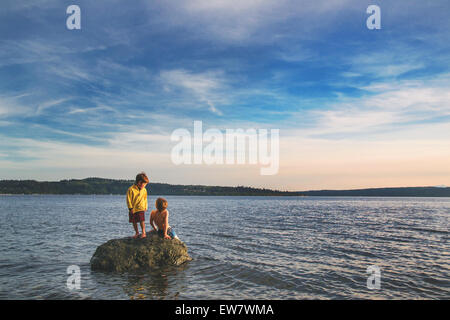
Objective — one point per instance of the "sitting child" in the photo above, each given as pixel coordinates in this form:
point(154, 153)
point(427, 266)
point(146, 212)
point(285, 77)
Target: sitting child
point(160, 217)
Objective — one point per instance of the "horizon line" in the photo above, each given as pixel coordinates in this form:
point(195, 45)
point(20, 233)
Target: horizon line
point(236, 186)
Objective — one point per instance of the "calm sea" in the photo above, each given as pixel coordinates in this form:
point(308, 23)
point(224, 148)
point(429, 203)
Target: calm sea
point(243, 248)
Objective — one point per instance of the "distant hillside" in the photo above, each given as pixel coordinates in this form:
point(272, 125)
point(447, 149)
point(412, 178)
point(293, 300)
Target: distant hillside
point(383, 192)
point(110, 186)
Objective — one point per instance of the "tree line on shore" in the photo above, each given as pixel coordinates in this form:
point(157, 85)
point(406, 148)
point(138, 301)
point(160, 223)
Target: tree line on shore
point(111, 186)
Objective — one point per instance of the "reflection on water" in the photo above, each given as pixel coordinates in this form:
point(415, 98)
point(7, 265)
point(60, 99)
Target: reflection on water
point(157, 284)
point(243, 248)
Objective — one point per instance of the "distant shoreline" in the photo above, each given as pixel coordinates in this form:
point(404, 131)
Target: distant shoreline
point(100, 186)
point(197, 195)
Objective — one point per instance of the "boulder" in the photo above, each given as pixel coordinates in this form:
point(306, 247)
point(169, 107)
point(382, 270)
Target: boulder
point(128, 254)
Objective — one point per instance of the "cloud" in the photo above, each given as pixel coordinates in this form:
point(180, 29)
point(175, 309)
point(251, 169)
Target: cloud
point(25, 51)
point(49, 104)
point(296, 53)
point(91, 110)
point(386, 63)
point(206, 87)
point(125, 153)
point(247, 21)
point(386, 107)
point(12, 106)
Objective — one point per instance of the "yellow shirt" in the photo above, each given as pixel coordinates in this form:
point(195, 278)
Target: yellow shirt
point(137, 198)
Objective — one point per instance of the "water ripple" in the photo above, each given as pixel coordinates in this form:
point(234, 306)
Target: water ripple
point(243, 247)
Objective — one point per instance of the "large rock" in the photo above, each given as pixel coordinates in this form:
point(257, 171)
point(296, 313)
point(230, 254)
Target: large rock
point(128, 254)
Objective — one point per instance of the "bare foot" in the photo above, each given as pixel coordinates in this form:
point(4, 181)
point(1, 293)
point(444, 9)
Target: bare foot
point(143, 235)
point(136, 236)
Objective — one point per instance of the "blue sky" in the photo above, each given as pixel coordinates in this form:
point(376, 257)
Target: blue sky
point(355, 107)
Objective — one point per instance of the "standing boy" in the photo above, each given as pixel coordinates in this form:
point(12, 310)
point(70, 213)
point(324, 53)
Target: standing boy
point(137, 203)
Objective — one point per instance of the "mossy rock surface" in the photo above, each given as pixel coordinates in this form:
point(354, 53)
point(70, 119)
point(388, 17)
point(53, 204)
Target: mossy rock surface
point(128, 254)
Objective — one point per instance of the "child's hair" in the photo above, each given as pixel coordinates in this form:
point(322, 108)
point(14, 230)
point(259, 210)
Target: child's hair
point(161, 204)
point(141, 177)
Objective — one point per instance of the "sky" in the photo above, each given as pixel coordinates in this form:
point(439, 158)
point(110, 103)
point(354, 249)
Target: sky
point(355, 107)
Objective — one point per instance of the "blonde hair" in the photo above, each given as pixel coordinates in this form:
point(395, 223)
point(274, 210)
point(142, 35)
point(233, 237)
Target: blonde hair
point(161, 204)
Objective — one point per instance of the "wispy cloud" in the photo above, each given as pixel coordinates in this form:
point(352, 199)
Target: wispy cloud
point(386, 63)
point(387, 106)
point(206, 87)
point(49, 104)
point(12, 106)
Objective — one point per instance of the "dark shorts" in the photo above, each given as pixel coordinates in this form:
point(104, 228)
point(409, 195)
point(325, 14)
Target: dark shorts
point(136, 217)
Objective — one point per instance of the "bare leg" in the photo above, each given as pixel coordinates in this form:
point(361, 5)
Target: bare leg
point(135, 226)
point(143, 229)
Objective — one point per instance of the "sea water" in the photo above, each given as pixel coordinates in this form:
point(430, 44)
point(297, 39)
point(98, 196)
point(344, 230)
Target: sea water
point(242, 248)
